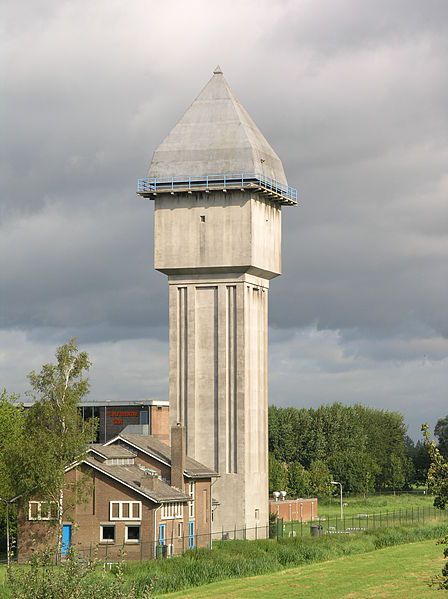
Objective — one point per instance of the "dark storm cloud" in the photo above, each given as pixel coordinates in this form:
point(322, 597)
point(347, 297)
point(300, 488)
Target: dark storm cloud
point(353, 97)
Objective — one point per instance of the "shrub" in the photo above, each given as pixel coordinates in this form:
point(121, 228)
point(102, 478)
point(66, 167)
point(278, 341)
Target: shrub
point(74, 578)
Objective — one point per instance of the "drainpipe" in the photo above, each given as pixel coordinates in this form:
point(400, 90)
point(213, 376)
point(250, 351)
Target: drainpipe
point(155, 528)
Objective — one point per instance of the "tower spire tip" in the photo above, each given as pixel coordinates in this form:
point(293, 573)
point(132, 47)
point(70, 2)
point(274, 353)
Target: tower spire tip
point(217, 70)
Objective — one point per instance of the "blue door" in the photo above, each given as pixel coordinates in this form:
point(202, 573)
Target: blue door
point(162, 530)
point(191, 534)
point(66, 538)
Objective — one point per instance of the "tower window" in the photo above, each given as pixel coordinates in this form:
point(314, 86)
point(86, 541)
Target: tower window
point(202, 218)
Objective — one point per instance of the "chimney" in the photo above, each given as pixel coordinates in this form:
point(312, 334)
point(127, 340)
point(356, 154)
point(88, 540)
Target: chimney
point(178, 456)
point(151, 481)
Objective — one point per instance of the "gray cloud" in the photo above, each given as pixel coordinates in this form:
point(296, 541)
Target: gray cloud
point(353, 97)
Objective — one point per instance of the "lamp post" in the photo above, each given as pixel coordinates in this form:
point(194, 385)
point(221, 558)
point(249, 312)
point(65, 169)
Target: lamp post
point(7, 503)
point(335, 482)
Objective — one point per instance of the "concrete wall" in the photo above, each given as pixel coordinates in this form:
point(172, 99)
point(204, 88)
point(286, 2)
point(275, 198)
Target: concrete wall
point(218, 387)
point(228, 232)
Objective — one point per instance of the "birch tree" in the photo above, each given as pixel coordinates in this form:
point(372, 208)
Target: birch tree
point(56, 433)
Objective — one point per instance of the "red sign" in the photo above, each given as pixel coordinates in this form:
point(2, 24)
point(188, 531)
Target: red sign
point(121, 413)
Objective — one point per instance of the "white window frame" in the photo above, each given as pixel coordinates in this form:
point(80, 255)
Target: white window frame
point(39, 516)
point(172, 510)
point(132, 541)
point(180, 529)
point(109, 541)
point(191, 494)
point(120, 510)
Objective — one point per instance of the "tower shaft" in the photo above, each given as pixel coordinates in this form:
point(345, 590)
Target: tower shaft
point(218, 386)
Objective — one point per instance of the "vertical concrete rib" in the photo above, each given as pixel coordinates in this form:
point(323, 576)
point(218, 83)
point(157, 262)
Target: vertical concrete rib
point(182, 357)
point(231, 378)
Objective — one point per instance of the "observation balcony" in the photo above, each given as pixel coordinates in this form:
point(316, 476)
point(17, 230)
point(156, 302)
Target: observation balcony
point(149, 187)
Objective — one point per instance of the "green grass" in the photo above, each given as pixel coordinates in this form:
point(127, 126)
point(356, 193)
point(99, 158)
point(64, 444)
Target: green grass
point(396, 572)
point(375, 504)
point(239, 559)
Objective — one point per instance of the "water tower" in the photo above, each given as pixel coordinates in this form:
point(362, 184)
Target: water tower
point(218, 189)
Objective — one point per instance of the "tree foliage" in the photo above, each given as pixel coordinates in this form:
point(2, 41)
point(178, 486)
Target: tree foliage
point(438, 483)
point(363, 448)
point(37, 444)
point(441, 432)
point(74, 578)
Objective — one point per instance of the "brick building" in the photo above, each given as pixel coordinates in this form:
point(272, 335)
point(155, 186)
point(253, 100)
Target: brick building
point(302, 510)
point(134, 494)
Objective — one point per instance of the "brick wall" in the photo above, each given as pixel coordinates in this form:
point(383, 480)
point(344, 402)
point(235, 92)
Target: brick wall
point(303, 510)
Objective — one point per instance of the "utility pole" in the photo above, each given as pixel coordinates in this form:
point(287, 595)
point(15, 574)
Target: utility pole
point(335, 482)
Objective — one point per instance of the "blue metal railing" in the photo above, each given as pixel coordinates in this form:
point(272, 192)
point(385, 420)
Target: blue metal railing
point(150, 185)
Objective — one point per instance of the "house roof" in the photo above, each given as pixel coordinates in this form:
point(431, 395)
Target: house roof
point(111, 451)
point(160, 451)
point(137, 479)
point(216, 135)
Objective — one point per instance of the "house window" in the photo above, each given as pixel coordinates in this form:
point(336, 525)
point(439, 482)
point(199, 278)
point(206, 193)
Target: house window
point(132, 534)
point(180, 529)
point(107, 533)
point(172, 510)
point(125, 510)
point(42, 510)
point(191, 494)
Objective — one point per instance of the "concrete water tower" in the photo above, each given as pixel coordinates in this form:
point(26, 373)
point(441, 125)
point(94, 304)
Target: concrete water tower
point(218, 189)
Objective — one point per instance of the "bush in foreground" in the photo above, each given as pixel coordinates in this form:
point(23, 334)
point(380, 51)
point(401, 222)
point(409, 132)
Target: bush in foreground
point(72, 579)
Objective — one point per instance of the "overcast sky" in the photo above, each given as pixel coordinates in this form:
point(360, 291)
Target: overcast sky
point(353, 96)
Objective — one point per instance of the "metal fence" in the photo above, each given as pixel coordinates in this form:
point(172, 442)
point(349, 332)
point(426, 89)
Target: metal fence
point(154, 185)
point(359, 522)
point(334, 525)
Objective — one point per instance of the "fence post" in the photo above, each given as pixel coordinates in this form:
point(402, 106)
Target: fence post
point(256, 531)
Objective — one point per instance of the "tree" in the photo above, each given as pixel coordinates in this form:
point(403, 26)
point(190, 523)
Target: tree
point(11, 442)
point(278, 475)
point(11, 435)
point(438, 483)
point(421, 463)
point(355, 470)
point(298, 480)
point(441, 432)
point(319, 477)
point(56, 435)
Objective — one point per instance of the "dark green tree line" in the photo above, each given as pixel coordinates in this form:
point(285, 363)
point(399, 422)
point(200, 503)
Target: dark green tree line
point(363, 448)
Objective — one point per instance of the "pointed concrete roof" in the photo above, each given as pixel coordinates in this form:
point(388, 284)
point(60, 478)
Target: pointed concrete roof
point(215, 136)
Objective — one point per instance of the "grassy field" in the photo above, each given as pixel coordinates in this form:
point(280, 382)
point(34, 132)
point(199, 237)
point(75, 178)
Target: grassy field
point(360, 514)
point(375, 504)
point(396, 572)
